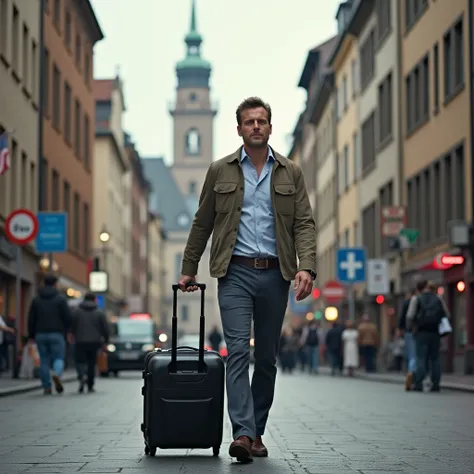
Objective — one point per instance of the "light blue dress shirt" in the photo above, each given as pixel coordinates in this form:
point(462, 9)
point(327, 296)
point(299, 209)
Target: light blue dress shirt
point(256, 236)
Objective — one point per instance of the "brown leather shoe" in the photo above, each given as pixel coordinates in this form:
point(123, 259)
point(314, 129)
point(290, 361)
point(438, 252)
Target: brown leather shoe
point(241, 448)
point(259, 450)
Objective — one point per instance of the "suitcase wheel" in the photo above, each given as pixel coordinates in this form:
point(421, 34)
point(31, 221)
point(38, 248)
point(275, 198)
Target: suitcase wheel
point(150, 451)
point(215, 451)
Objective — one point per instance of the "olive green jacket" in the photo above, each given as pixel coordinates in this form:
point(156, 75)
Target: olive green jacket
point(219, 211)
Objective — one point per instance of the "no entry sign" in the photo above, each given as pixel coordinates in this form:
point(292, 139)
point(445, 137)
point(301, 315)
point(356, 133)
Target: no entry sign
point(21, 226)
point(333, 292)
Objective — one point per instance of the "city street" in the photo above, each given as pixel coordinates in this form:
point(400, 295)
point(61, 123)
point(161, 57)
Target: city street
point(318, 424)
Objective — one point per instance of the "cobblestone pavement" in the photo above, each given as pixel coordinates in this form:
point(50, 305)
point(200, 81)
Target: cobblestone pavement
point(319, 424)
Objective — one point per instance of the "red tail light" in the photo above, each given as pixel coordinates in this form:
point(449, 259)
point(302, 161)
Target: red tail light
point(223, 352)
point(207, 348)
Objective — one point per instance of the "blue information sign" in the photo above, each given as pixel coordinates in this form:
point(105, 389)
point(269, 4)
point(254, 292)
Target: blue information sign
point(350, 265)
point(52, 234)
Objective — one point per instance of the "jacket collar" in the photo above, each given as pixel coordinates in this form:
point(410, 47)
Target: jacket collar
point(238, 153)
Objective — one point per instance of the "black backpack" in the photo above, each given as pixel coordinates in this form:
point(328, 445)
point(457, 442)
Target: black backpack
point(430, 312)
point(312, 339)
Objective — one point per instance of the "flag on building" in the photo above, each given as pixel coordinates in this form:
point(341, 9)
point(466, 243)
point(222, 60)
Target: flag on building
point(4, 154)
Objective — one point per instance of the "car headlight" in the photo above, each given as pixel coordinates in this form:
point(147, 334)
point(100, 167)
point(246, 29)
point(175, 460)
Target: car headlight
point(111, 348)
point(148, 347)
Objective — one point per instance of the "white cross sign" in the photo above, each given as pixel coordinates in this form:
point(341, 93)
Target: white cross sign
point(351, 265)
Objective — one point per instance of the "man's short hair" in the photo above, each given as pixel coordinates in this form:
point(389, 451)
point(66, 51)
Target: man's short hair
point(421, 285)
point(89, 296)
point(50, 279)
point(252, 103)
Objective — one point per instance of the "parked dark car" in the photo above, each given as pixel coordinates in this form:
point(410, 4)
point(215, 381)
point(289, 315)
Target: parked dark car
point(130, 340)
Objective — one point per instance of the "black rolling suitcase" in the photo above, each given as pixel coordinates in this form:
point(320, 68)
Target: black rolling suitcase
point(183, 393)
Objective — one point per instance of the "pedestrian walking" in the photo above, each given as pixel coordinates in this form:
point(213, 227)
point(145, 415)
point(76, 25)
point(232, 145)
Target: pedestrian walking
point(254, 203)
point(4, 329)
point(350, 337)
point(425, 312)
point(90, 331)
point(368, 342)
point(48, 322)
point(215, 338)
point(334, 347)
point(310, 341)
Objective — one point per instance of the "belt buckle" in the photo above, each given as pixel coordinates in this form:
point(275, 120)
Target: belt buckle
point(257, 266)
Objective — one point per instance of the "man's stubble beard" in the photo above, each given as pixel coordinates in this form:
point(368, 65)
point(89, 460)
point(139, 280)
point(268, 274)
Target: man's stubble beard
point(257, 145)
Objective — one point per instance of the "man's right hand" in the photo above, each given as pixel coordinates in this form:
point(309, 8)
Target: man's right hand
point(185, 280)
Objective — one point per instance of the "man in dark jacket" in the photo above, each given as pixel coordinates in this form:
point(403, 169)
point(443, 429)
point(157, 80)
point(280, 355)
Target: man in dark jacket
point(334, 347)
point(49, 320)
point(90, 331)
point(424, 314)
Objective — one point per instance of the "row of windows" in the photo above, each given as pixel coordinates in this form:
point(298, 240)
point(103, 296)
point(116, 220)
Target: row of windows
point(66, 112)
point(62, 18)
point(18, 49)
point(418, 83)
point(79, 213)
point(441, 184)
point(18, 186)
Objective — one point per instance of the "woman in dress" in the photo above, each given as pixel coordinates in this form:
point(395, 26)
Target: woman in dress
point(350, 338)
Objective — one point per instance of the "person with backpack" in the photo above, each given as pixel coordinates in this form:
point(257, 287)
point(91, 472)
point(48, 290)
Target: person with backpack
point(310, 343)
point(49, 320)
point(424, 314)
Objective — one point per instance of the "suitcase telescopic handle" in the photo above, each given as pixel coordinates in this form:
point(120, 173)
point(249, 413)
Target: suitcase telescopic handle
point(174, 328)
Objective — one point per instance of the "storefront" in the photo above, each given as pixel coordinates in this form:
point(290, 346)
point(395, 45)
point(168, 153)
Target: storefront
point(8, 272)
point(449, 274)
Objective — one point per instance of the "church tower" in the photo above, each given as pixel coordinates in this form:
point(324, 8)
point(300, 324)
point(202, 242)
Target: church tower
point(193, 117)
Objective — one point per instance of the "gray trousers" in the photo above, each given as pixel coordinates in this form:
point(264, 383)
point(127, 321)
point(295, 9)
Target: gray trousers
point(246, 293)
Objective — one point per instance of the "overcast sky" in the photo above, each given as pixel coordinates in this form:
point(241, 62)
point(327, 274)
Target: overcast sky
point(256, 48)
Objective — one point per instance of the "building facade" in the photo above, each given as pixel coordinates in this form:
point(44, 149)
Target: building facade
point(70, 32)
point(377, 141)
point(435, 97)
point(157, 290)
point(344, 63)
point(193, 119)
point(110, 191)
point(19, 101)
point(319, 113)
point(141, 251)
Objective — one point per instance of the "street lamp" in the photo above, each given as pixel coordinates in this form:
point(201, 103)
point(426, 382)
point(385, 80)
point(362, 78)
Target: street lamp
point(104, 236)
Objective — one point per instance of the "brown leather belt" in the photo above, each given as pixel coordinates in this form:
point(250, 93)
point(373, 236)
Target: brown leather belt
point(257, 263)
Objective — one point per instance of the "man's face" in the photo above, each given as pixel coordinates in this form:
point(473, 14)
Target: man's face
point(255, 129)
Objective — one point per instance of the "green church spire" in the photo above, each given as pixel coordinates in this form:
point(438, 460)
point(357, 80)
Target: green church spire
point(193, 70)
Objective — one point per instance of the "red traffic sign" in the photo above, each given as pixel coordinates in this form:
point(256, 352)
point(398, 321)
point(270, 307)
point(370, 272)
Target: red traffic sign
point(21, 226)
point(333, 292)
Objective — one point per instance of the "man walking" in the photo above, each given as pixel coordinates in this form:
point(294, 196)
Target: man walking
point(49, 320)
point(424, 314)
point(90, 331)
point(255, 205)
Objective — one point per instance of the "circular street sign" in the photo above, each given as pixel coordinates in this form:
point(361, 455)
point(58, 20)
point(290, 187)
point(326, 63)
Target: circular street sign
point(333, 292)
point(21, 226)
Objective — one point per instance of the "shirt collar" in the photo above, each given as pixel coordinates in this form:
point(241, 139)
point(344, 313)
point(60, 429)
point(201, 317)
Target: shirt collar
point(244, 155)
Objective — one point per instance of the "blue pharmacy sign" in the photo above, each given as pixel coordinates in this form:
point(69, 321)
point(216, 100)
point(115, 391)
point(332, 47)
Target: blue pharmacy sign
point(52, 234)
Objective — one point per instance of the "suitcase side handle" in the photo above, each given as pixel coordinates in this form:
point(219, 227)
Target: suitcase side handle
point(174, 329)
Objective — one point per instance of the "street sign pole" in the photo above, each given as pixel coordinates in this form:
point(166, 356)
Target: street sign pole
point(50, 262)
point(351, 302)
point(17, 339)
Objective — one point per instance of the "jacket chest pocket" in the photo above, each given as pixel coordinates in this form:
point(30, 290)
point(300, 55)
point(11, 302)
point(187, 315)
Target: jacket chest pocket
point(285, 198)
point(225, 196)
